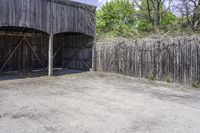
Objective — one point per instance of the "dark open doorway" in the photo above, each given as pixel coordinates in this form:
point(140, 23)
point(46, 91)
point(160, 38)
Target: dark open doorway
point(73, 51)
point(23, 49)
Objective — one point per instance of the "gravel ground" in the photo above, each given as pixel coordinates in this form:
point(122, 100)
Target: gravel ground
point(97, 103)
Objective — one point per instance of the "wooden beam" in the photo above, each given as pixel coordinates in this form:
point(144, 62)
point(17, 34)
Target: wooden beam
point(12, 53)
point(29, 45)
point(94, 53)
point(63, 54)
point(58, 49)
point(50, 66)
point(3, 33)
point(84, 63)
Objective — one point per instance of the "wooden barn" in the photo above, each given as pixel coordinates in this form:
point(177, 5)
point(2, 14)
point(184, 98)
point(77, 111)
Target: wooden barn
point(46, 34)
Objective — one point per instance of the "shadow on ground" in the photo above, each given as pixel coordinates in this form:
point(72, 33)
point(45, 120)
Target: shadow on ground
point(39, 73)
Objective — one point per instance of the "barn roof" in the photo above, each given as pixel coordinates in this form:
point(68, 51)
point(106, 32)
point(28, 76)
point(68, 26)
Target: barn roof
point(75, 3)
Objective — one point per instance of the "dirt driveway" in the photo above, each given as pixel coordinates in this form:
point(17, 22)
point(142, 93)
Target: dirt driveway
point(97, 103)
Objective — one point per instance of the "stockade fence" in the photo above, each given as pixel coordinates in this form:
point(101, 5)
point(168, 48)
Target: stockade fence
point(169, 59)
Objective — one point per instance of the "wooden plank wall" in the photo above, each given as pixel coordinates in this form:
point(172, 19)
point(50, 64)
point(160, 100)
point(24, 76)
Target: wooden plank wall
point(169, 59)
point(56, 17)
point(67, 18)
point(52, 17)
point(25, 13)
point(73, 45)
point(23, 58)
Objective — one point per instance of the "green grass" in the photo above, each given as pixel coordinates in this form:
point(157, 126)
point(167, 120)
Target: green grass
point(196, 85)
point(151, 77)
point(168, 79)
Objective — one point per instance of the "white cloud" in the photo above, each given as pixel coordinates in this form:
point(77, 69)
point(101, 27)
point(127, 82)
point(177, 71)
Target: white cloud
point(91, 2)
point(97, 3)
point(104, 1)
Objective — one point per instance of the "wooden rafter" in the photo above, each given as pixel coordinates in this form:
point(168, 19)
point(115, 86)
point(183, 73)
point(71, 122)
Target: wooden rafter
point(12, 53)
point(15, 49)
point(29, 45)
point(58, 49)
point(84, 63)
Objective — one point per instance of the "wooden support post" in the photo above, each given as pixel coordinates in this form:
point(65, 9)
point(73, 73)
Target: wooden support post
point(94, 56)
point(63, 54)
point(50, 68)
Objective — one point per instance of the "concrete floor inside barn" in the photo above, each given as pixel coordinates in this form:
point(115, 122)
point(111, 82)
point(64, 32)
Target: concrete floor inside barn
point(94, 102)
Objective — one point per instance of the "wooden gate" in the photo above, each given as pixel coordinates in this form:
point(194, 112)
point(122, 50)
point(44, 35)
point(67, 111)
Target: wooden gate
point(22, 55)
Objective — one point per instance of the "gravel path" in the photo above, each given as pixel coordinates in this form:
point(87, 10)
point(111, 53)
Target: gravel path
point(97, 103)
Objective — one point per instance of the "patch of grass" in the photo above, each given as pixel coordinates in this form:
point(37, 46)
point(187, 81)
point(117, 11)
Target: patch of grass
point(168, 79)
point(196, 85)
point(151, 77)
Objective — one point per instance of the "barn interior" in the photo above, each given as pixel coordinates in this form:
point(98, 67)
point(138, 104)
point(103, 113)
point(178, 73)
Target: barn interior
point(23, 49)
point(73, 51)
point(26, 50)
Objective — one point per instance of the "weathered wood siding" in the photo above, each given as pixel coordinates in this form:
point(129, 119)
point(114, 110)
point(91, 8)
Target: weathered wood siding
point(23, 59)
point(68, 18)
point(25, 13)
point(50, 16)
point(175, 59)
point(37, 17)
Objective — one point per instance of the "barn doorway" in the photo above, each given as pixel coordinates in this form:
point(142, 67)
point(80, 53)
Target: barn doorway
point(73, 51)
point(23, 49)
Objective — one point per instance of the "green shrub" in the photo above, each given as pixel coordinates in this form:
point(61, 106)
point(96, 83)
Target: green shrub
point(168, 79)
point(196, 85)
point(151, 77)
point(117, 16)
point(145, 26)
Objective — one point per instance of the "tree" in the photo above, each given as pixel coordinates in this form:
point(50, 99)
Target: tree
point(196, 14)
point(153, 10)
point(190, 10)
point(168, 20)
point(123, 17)
point(117, 16)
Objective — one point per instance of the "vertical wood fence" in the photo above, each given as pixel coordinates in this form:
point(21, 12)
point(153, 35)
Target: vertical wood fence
point(168, 59)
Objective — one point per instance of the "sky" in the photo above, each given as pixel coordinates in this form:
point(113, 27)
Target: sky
point(97, 3)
